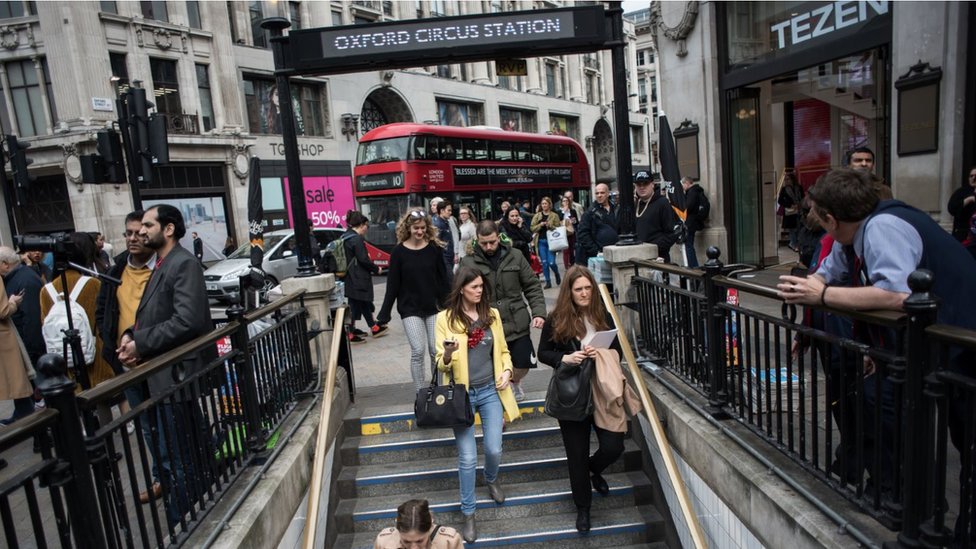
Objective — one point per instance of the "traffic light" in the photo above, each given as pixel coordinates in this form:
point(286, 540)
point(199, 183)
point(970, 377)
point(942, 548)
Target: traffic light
point(17, 152)
point(149, 135)
point(108, 165)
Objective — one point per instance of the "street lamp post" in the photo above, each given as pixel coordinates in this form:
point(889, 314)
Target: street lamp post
point(621, 119)
point(299, 212)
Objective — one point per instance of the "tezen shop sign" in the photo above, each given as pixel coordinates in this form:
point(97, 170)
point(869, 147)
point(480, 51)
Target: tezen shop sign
point(824, 20)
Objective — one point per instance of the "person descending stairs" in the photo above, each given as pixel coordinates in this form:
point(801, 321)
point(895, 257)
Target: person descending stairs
point(386, 460)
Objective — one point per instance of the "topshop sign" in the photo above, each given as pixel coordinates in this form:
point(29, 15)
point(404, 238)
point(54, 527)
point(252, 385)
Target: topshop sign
point(824, 20)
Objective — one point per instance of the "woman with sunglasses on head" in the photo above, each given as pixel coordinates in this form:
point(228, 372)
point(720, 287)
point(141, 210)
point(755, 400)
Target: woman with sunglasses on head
point(471, 347)
point(579, 312)
point(417, 280)
point(415, 529)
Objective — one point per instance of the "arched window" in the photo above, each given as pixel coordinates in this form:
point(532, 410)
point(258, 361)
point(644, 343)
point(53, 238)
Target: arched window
point(371, 117)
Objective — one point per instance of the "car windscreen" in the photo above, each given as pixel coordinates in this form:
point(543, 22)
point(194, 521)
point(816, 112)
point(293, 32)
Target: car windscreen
point(244, 252)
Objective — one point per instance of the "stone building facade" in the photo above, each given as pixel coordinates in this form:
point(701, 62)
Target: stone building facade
point(208, 67)
point(772, 87)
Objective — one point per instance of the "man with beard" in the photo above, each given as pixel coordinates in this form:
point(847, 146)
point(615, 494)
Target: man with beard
point(172, 310)
point(510, 277)
point(861, 159)
point(116, 306)
point(655, 219)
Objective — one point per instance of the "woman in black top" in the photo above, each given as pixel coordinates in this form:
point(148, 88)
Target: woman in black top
point(579, 312)
point(418, 282)
point(359, 276)
point(790, 196)
point(514, 227)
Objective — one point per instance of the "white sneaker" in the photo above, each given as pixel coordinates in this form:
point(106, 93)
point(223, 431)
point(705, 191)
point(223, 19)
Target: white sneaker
point(519, 393)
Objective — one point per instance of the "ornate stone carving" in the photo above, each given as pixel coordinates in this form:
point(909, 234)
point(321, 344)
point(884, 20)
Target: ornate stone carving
point(386, 78)
point(70, 164)
point(241, 163)
point(677, 33)
point(163, 39)
point(9, 37)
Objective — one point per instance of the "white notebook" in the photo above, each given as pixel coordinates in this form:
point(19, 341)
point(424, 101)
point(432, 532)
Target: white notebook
point(601, 340)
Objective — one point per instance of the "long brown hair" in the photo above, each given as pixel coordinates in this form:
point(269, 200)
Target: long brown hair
point(567, 318)
point(456, 319)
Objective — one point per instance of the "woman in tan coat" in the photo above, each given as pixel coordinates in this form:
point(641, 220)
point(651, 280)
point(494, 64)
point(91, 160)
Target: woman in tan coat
point(415, 529)
point(14, 383)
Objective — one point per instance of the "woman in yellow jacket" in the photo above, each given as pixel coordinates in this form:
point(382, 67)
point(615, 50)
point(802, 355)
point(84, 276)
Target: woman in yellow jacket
point(471, 345)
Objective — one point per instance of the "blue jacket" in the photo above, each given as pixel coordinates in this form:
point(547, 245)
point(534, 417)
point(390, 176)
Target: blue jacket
point(27, 319)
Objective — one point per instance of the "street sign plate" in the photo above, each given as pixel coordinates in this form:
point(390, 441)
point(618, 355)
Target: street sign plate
point(511, 67)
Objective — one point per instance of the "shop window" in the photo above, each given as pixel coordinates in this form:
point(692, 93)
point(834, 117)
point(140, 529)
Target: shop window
point(166, 86)
point(262, 105)
point(551, 79)
point(337, 19)
point(25, 96)
point(564, 125)
point(155, 9)
point(17, 8)
point(517, 120)
point(120, 71)
point(453, 113)
point(637, 140)
point(259, 36)
point(295, 14)
point(206, 98)
point(193, 14)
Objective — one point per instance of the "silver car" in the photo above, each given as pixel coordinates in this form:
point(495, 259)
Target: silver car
point(280, 262)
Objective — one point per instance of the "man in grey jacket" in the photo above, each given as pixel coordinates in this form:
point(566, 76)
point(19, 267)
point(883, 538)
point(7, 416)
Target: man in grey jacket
point(173, 310)
point(512, 283)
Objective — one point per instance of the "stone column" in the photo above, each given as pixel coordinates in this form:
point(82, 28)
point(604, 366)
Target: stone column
point(535, 82)
point(575, 78)
point(318, 290)
point(621, 259)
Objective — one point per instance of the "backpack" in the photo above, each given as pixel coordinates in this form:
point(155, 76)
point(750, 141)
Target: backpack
point(56, 323)
point(335, 256)
point(704, 207)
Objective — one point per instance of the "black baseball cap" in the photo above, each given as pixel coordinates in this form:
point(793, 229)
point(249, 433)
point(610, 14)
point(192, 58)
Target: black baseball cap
point(642, 176)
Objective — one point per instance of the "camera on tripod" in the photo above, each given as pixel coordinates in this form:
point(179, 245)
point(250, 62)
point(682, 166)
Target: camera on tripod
point(59, 244)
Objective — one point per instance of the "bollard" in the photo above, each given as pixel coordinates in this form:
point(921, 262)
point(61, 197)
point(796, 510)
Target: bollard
point(69, 444)
point(714, 294)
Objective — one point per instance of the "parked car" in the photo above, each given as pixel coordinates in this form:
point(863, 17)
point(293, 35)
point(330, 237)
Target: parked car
point(280, 262)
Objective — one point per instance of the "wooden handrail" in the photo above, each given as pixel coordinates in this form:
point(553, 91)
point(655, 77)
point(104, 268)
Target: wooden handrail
point(318, 465)
point(697, 536)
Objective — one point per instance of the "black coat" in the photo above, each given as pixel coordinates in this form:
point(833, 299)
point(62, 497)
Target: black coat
point(693, 202)
point(656, 225)
point(597, 229)
point(961, 215)
point(520, 236)
point(27, 319)
point(551, 352)
point(107, 315)
point(359, 268)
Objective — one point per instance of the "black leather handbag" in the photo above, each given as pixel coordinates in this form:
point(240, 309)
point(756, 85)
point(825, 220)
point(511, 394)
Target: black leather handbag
point(570, 396)
point(443, 405)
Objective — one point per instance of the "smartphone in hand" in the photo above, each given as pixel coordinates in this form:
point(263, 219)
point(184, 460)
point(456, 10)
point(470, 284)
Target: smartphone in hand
point(800, 272)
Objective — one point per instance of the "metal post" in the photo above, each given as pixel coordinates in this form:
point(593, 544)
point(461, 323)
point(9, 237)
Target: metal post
point(917, 435)
point(714, 334)
point(621, 122)
point(293, 167)
point(69, 443)
point(246, 382)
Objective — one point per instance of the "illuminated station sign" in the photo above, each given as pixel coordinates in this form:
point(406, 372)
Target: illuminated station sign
point(466, 38)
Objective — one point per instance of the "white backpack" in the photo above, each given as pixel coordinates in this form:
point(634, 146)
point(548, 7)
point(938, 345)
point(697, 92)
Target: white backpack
point(56, 322)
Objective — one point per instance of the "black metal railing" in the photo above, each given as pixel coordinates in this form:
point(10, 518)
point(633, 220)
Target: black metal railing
point(864, 401)
point(182, 123)
point(232, 390)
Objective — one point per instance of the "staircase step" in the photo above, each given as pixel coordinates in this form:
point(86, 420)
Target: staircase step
point(420, 477)
point(610, 528)
point(400, 418)
point(521, 500)
point(401, 446)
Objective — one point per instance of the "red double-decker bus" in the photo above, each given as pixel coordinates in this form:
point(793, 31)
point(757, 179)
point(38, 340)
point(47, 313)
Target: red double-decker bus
point(403, 165)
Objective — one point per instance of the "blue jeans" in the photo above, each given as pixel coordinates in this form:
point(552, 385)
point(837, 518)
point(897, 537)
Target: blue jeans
point(485, 401)
point(548, 259)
